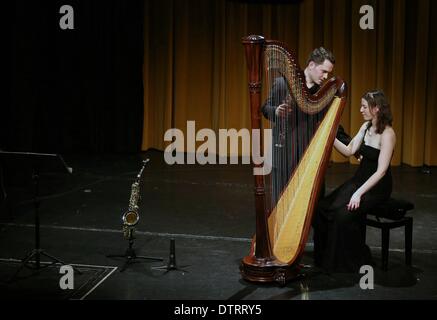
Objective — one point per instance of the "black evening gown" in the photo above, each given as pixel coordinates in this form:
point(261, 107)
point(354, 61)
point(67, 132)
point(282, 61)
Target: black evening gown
point(339, 234)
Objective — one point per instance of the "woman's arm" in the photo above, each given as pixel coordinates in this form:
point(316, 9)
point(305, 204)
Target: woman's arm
point(388, 141)
point(354, 145)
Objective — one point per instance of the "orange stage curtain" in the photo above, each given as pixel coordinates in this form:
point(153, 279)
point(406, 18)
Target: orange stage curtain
point(194, 67)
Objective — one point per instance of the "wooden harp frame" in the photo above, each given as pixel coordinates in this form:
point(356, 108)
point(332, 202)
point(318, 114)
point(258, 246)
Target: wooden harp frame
point(261, 265)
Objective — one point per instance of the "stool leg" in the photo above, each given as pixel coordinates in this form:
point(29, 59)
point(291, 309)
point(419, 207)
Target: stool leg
point(408, 241)
point(385, 245)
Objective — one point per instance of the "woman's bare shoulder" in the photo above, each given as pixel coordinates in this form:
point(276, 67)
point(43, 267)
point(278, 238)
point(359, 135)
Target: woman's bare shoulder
point(388, 134)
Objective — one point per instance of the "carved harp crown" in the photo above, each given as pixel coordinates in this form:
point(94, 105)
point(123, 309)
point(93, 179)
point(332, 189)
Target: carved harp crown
point(303, 137)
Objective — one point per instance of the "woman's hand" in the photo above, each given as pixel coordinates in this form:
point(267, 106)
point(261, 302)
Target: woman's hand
point(354, 202)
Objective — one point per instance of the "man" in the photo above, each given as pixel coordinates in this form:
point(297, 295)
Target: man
point(293, 128)
point(319, 64)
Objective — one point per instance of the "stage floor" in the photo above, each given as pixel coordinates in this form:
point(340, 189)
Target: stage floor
point(209, 212)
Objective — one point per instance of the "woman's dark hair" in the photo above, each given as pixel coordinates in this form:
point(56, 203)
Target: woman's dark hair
point(377, 98)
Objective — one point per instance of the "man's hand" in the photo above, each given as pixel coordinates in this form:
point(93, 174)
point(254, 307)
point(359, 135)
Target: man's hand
point(283, 109)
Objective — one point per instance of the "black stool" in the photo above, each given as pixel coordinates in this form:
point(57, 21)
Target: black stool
point(389, 215)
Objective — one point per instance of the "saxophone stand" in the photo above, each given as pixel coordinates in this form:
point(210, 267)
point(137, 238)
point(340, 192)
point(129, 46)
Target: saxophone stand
point(130, 254)
point(171, 265)
point(37, 162)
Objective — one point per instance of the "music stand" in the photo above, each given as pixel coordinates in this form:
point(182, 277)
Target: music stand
point(38, 163)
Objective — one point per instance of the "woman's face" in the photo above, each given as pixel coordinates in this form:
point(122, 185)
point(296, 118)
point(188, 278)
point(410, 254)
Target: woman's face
point(367, 112)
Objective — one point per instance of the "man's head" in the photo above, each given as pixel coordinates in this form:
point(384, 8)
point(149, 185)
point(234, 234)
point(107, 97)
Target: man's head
point(319, 64)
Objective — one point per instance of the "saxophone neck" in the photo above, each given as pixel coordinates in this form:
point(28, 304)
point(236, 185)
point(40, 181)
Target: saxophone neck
point(142, 169)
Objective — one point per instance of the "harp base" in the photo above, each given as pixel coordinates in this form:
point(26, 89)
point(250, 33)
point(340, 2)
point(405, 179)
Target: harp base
point(267, 270)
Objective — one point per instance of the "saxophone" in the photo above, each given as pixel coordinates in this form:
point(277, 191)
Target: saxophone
point(131, 216)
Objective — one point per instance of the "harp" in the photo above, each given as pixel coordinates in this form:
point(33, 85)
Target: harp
point(302, 143)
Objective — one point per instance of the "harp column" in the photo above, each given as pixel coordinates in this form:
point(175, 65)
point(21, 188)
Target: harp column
point(254, 48)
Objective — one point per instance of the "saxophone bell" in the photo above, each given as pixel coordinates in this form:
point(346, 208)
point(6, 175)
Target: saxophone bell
point(130, 218)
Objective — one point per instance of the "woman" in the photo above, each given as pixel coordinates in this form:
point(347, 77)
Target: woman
point(339, 222)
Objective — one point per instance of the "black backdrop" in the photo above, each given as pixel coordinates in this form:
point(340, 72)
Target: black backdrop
point(77, 90)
